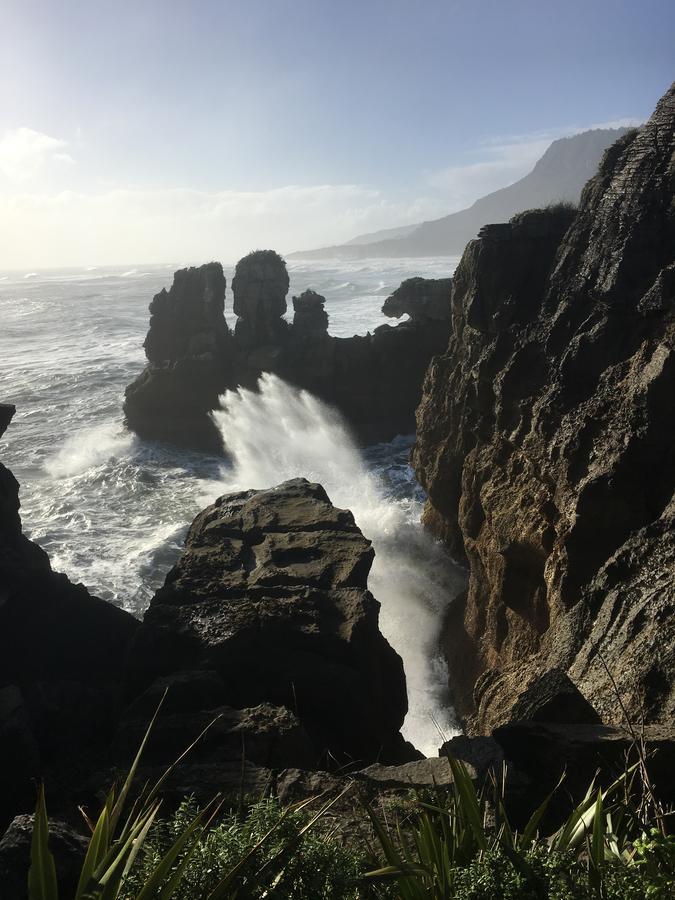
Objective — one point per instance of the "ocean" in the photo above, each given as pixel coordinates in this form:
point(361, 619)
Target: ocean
point(112, 510)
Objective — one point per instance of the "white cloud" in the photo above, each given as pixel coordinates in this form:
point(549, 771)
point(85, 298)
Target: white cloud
point(24, 153)
point(136, 226)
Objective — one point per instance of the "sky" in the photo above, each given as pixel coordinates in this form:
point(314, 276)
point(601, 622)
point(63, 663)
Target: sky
point(162, 131)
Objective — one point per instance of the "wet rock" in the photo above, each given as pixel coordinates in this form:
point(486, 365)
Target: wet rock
point(544, 445)
point(421, 299)
point(271, 594)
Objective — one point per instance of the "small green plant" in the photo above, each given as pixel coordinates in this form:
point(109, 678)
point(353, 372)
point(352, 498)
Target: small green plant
point(463, 846)
point(114, 869)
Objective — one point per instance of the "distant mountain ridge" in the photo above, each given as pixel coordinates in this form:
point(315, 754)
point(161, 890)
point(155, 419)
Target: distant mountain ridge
point(559, 175)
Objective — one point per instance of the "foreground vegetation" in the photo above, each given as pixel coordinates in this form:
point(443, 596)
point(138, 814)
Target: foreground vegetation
point(449, 844)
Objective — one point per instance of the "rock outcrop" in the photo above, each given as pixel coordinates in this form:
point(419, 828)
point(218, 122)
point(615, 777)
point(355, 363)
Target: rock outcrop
point(189, 361)
point(267, 614)
point(420, 298)
point(374, 380)
point(546, 444)
point(264, 639)
point(61, 657)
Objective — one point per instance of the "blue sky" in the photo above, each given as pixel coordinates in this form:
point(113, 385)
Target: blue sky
point(155, 131)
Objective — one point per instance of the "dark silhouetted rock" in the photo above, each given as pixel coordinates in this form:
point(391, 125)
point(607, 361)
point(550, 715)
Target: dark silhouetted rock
point(7, 411)
point(309, 315)
point(375, 381)
point(188, 347)
point(271, 595)
point(420, 298)
point(260, 285)
point(61, 657)
point(546, 445)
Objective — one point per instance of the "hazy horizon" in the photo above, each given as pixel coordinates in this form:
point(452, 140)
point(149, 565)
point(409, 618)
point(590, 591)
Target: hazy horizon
point(137, 134)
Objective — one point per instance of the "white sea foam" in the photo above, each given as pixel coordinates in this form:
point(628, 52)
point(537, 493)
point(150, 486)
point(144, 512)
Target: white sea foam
point(89, 448)
point(282, 433)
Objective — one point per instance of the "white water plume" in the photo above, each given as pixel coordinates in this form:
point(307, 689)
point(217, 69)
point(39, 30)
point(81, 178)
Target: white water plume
point(281, 433)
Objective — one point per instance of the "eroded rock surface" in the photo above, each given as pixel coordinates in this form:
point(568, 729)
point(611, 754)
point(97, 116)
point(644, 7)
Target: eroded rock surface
point(269, 602)
point(547, 448)
point(189, 361)
point(375, 380)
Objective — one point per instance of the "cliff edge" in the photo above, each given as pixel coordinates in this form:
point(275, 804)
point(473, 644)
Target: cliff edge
point(547, 447)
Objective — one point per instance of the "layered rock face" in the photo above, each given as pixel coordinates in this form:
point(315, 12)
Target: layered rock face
point(189, 361)
point(268, 610)
point(547, 447)
point(374, 380)
point(61, 658)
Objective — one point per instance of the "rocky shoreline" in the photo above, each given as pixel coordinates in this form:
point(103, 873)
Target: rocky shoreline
point(546, 445)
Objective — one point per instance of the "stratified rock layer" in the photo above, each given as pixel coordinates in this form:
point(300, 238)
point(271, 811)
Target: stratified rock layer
point(189, 361)
point(270, 597)
point(547, 447)
point(375, 380)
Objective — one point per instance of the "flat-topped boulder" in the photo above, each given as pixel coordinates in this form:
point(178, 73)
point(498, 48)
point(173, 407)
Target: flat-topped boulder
point(271, 596)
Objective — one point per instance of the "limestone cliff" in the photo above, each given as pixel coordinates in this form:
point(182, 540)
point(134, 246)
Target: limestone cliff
point(546, 444)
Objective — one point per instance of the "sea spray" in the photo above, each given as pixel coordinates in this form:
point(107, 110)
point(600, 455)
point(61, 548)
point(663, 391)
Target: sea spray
point(281, 432)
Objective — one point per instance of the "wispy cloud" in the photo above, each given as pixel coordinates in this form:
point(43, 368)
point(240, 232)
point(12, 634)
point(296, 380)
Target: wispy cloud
point(74, 228)
point(497, 164)
point(24, 153)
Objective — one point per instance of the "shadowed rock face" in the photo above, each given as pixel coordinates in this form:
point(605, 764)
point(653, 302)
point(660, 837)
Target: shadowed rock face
point(420, 298)
point(189, 361)
point(309, 315)
point(375, 380)
point(270, 596)
point(547, 447)
point(61, 658)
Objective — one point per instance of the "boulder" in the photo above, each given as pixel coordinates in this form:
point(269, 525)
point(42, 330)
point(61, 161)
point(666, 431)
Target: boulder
point(271, 595)
point(421, 299)
point(545, 447)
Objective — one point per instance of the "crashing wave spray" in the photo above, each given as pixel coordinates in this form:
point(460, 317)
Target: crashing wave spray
point(282, 433)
